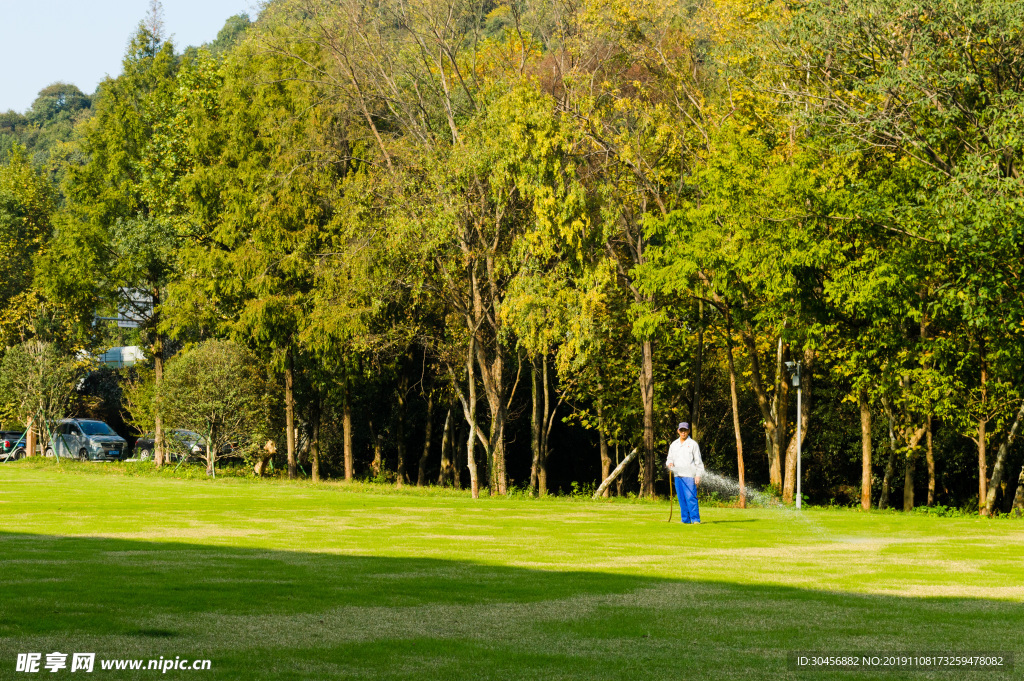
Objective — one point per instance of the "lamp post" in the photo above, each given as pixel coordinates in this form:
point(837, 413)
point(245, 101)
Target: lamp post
point(794, 374)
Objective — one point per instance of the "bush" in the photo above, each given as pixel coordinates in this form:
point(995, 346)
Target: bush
point(215, 390)
point(946, 511)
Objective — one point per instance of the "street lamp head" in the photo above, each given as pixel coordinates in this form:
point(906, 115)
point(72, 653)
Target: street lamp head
point(794, 372)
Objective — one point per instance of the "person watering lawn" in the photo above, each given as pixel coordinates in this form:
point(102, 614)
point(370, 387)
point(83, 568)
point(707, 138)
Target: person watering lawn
point(686, 467)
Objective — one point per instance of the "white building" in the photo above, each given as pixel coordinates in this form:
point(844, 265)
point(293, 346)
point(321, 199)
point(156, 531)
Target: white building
point(118, 358)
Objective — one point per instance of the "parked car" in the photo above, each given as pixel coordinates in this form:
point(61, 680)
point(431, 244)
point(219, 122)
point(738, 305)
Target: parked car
point(86, 440)
point(12, 445)
point(180, 443)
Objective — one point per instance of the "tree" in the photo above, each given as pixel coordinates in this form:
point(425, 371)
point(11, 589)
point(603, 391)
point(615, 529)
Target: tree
point(27, 203)
point(115, 251)
point(743, 243)
point(37, 383)
point(642, 111)
point(216, 390)
point(266, 261)
point(935, 96)
point(46, 129)
point(139, 401)
point(230, 34)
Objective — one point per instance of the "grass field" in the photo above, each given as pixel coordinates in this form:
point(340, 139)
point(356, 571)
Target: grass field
point(274, 580)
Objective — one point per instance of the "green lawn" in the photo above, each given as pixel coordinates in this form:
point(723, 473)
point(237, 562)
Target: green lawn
point(274, 580)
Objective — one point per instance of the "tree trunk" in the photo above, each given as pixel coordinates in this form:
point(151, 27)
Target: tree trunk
point(908, 483)
point(400, 445)
point(377, 466)
point(698, 369)
point(378, 455)
point(1018, 498)
point(30, 437)
point(289, 411)
point(1000, 464)
point(616, 474)
point(602, 441)
point(536, 424)
point(159, 444)
point(780, 409)
point(447, 473)
point(789, 488)
point(301, 450)
point(494, 388)
point(619, 481)
point(314, 438)
point(930, 460)
point(346, 426)
point(474, 479)
point(421, 478)
point(647, 396)
point(734, 396)
point(211, 453)
point(883, 501)
point(982, 426)
point(913, 440)
point(542, 470)
point(769, 407)
point(458, 456)
point(865, 447)
point(470, 408)
point(982, 466)
point(269, 449)
point(491, 369)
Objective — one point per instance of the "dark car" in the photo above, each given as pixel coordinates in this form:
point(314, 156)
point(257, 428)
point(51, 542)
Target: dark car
point(87, 440)
point(12, 445)
point(181, 443)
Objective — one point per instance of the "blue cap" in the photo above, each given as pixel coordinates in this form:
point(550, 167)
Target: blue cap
point(683, 426)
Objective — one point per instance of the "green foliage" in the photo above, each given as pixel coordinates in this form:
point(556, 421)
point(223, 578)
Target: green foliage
point(37, 382)
point(46, 130)
point(139, 401)
point(59, 99)
point(116, 240)
point(216, 390)
point(373, 195)
point(940, 511)
point(232, 32)
point(26, 205)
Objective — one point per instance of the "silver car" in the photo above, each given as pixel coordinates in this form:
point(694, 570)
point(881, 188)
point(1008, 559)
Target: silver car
point(86, 440)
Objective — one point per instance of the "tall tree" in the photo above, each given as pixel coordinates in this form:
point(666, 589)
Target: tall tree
point(115, 251)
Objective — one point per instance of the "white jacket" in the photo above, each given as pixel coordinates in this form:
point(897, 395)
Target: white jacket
point(685, 459)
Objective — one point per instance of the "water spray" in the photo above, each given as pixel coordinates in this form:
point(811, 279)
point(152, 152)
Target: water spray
point(729, 487)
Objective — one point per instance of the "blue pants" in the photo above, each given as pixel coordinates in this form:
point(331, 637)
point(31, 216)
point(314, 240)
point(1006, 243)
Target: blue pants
point(686, 491)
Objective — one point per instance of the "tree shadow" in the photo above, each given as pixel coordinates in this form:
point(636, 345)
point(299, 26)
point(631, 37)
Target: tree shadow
point(266, 614)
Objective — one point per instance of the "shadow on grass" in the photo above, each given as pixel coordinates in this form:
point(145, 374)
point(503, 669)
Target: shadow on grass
point(296, 615)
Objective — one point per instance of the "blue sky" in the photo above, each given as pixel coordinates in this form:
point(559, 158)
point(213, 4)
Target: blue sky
point(81, 41)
